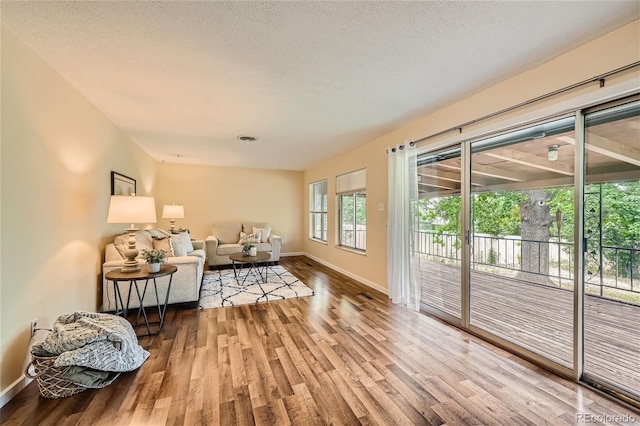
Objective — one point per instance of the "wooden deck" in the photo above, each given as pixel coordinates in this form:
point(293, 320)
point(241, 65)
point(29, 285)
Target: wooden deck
point(540, 318)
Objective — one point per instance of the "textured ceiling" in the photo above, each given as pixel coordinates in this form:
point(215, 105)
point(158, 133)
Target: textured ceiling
point(309, 79)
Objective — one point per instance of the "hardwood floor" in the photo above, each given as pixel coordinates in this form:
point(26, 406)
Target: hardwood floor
point(540, 318)
point(343, 356)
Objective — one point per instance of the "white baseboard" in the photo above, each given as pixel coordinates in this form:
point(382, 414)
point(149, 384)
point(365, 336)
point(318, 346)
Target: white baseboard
point(13, 389)
point(349, 274)
point(293, 253)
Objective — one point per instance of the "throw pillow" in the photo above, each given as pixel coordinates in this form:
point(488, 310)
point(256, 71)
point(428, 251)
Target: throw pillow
point(164, 244)
point(248, 226)
point(264, 233)
point(226, 234)
point(157, 233)
point(182, 244)
point(143, 242)
point(185, 239)
point(249, 238)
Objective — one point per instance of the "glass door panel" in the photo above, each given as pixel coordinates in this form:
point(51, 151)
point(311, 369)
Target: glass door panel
point(612, 255)
point(522, 210)
point(437, 240)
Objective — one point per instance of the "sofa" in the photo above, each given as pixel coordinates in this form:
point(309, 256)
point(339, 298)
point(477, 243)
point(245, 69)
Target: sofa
point(187, 255)
point(226, 239)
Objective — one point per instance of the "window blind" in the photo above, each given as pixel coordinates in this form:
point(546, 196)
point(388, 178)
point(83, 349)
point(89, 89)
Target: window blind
point(351, 182)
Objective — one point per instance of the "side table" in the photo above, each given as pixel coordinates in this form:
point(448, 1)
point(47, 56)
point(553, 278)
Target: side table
point(134, 278)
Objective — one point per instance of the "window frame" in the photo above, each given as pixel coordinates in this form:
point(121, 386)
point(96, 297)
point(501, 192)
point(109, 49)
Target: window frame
point(341, 243)
point(323, 211)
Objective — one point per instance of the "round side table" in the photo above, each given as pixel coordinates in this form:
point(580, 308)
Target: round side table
point(134, 278)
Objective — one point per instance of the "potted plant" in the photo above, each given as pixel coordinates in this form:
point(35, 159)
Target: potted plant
point(154, 259)
point(249, 249)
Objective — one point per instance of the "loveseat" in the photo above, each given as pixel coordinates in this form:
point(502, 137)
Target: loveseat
point(187, 255)
point(226, 239)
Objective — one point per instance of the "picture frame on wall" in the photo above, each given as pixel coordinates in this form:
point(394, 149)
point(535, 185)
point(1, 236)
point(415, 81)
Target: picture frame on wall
point(122, 185)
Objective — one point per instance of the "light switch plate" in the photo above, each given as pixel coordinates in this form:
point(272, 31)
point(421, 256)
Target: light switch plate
point(380, 207)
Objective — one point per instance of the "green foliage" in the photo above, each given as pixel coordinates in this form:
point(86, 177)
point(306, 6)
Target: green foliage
point(620, 224)
point(154, 256)
point(347, 208)
point(621, 214)
point(441, 215)
point(562, 199)
point(497, 214)
point(493, 257)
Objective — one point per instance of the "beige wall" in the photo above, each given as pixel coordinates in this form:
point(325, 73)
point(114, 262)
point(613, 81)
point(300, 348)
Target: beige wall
point(57, 154)
point(372, 266)
point(226, 194)
point(612, 51)
point(57, 151)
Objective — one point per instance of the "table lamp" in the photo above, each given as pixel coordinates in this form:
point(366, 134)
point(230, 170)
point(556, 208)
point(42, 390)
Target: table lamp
point(131, 209)
point(173, 212)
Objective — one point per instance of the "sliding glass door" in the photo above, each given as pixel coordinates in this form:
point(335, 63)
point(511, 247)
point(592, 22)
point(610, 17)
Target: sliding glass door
point(612, 255)
point(531, 239)
point(438, 240)
point(521, 283)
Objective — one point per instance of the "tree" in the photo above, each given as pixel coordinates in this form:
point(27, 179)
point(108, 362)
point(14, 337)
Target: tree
point(616, 225)
point(441, 214)
point(534, 223)
point(519, 213)
point(497, 213)
point(562, 199)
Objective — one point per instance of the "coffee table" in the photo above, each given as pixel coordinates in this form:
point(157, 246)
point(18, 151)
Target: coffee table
point(254, 267)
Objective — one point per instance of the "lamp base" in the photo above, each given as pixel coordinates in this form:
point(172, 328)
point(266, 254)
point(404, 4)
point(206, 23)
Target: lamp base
point(128, 269)
point(131, 253)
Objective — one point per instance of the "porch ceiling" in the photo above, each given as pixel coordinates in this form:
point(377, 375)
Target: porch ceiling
point(613, 154)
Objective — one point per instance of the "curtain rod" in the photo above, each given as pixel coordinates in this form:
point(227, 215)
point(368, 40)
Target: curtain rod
point(401, 147)
point(600, 78)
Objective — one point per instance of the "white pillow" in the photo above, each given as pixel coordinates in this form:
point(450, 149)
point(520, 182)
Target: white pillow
point(264, 233)
point(249, 238)
point(181, 243)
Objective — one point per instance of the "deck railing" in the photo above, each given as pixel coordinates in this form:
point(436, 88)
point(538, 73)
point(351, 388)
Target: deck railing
point(620, 269)
point(555, 259)
point(360, 236)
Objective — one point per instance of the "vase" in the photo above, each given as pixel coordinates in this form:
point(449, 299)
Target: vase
point(154, 267)
point(253, 251)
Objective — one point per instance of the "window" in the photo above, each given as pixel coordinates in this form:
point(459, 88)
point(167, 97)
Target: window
point(352, 206)
point(318, 210)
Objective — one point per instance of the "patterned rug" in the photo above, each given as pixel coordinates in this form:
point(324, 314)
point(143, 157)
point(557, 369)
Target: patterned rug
point(219, 288)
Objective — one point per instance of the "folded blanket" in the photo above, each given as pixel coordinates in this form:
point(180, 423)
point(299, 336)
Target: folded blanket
point(99, 341)
point(89, 378)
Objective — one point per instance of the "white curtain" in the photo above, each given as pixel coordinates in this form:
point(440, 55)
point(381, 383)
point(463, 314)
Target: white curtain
point(402, 267)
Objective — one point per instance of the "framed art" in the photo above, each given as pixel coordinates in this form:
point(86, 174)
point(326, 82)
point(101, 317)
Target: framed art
point(122, 185)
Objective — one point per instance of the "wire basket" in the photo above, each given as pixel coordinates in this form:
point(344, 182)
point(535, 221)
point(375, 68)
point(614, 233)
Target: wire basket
point(50, 379)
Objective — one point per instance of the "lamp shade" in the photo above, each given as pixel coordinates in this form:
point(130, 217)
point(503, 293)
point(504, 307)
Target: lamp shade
point(173, 211)
point(131, 209)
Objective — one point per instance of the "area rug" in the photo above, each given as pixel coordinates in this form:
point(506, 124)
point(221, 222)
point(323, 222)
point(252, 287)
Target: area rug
point(219, 288)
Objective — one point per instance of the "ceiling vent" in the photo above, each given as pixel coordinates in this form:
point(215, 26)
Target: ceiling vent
point(247, 139)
